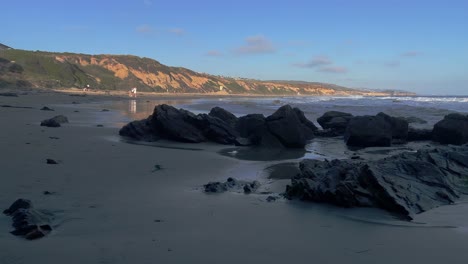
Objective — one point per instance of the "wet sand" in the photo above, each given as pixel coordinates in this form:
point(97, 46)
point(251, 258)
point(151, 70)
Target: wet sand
point(113, 205)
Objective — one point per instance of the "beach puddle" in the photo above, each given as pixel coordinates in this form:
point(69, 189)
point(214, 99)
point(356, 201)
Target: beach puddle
point(263, 154)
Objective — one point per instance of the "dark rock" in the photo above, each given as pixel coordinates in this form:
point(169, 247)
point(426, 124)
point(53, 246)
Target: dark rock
point(287, 127)
point(105, 110)
point(407, 183)
point(271, 198)
point(51, 161)
point(216, 130)
point(453, 129)
point(224, 115)
point(45, 108)
point(415, 134)
point(55, 121)
point(368, 131)
point(18, 204)
point(232, 184)
point(99, 125)
point(176, 124)
point(252, 126)
point(399, 126)
point(335, 120)
point(139, 130)
point(28, 222)
point(376, 131)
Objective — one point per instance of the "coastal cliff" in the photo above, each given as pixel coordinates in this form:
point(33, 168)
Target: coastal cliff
point(22, 68)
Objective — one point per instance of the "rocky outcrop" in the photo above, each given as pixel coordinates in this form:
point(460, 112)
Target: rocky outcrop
point(453, 129)
point(375, 131)
point(55, 121)
point(335, 121)
point(231, 184)
point(290, 127)
point(407, 184)
point(27, 221)
point(287, 127)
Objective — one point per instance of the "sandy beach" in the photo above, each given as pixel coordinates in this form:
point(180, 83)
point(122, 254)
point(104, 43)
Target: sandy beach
point(115, 202)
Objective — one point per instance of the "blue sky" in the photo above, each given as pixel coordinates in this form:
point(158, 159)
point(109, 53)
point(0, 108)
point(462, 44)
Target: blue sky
point(420, 46)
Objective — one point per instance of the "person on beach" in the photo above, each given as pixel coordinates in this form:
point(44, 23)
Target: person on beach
point(133, 92)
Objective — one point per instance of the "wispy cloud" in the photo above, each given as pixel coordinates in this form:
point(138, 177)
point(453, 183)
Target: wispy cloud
point(147, 2)
point(144, 29)
point(333, 69)
point(412, 53)
point(177, 31)
point(315, 62)
point(256, 45)
point(392, 64)
point(214, 53)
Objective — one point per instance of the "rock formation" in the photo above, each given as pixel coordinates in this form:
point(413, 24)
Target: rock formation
point(407, 183)
point(287, 127)
point(55, 121)
point(27, 221)
point(453, 129)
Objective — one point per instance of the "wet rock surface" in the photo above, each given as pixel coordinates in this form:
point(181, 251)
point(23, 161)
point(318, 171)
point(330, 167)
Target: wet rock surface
point(27, 221)
point(407, 184)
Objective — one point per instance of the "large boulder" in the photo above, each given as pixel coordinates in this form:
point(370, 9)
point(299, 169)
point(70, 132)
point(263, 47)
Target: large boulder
point(216, 130)
point(376, 131)
point(407, 183)
point(176, 124)
point(224, 115)
point(399, 126)
point(139, 130)
point(286, 125)
point(368, 131)
point(453, 129)
point(335, 120)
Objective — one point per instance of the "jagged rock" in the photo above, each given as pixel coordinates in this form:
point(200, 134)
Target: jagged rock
point(139, 130)
point(286, 125)
point(329, 132)
point(252, 126)
point(375, 131)
point(28, 222)
point(55, 121)
point(45, 108)
point(176, 124)
point(415, 134)
point(217, 130)
point(407, 183)
point(224, 115)
point(335, 120)
point(231, 184)
point(453, 129)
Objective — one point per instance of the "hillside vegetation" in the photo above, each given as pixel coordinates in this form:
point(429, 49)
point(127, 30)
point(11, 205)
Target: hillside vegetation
point(22, 68)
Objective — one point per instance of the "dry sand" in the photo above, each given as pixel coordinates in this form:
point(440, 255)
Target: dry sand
point(111, 206)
